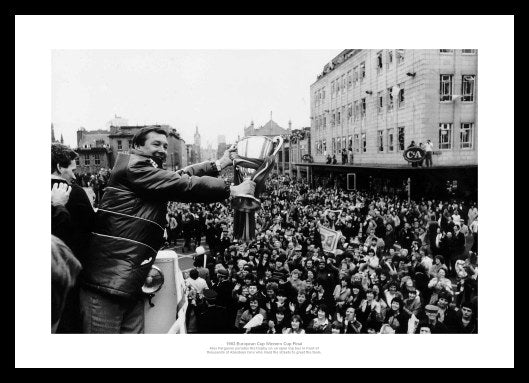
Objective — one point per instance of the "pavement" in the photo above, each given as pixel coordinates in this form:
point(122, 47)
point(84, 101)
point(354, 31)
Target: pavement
point(185, 258)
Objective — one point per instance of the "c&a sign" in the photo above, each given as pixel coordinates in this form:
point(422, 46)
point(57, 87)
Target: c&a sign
point(414, 154)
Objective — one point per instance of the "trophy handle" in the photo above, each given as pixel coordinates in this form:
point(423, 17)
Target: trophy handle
point(280, 140)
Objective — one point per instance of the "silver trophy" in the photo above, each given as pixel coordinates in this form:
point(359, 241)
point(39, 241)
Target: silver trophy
point(254, 160)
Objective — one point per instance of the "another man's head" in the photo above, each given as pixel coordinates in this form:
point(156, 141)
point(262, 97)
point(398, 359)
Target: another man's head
point(193, 274)
point(152, 142)
point(254, 304)
point(432, 312)
point(63, 162)
point(466, 310)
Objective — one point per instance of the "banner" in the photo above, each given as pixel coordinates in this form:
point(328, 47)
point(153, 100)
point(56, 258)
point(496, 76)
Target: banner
point(329, 239)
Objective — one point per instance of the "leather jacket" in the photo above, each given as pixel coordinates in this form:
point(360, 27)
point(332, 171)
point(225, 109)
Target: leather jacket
point(131, 219)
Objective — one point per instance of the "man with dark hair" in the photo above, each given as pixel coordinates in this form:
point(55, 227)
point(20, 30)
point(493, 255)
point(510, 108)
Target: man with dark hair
point(75, 231)
point(130, 227)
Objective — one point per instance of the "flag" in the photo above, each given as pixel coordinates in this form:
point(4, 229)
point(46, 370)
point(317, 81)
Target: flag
point(329, 239)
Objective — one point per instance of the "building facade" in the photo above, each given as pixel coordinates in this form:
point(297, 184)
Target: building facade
point(93, 148)
point(377, 102)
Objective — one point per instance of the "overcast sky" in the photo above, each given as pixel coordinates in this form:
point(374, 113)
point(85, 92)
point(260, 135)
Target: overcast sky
point(220, 91)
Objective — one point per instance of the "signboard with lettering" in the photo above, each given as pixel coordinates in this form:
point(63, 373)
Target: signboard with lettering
point(414, 154)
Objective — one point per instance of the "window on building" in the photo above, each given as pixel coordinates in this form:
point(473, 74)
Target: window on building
point(323, 94)
point(344, 143)
point(120, 147)
point(446, 50)
point(338, 118)
point(357, 143)
point(380, 102)
point(324, 145)
point(446, 87)
point(469, 51)
point(350, 142)
point(467, 87)
point(338, 145)
point(344, 83)
point(364, 143)
point(349, 112)
point(338, 84)
point(362, 71)
point(333, 116)
point(333, 145)
point(349, 80)
point(466, 135)
point(77, 161)
point(400, 133)
point(389, 98)
point(400, 55)
point(379, 62)
point(97, 160)
point(389, 58)
point(380, 141)
point(400, 99)
point(363, 108)
point(390, 140)
point(355, 75)
point(87, 159)
point(445, 136)
point(356, 110)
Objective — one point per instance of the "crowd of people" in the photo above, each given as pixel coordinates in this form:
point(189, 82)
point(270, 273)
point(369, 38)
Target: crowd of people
point(397, 268)
point(94, 184)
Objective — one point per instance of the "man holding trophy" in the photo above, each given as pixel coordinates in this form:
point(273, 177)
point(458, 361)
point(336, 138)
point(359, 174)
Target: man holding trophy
point(130, 227)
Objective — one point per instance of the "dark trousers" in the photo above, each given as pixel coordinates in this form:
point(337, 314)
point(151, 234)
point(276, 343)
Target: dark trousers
point(475, 243)
point(104, 314)
point(428, 159)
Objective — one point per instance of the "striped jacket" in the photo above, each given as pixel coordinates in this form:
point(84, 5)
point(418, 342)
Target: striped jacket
point(131, 218)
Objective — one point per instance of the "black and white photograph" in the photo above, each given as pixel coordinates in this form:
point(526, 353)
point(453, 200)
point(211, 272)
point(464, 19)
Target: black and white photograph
point(226, 198)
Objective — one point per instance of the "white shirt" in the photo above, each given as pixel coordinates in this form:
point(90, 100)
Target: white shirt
point(457, 219)
point(198, 284)
point(428, 147)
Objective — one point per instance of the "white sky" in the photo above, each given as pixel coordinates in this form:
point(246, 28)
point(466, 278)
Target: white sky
point(220, 91)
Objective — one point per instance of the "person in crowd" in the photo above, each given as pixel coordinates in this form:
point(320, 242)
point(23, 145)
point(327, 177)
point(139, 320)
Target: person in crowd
point(432, 321)
point(130, 227)
point(195, 282)
point(75, 231)
point(254, 319)
point(465, 321)
point(350, 323)
point(296, 326)
point(320, 324)
point(397, 317)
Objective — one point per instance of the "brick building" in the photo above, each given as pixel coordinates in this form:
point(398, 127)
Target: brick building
point(378, 101)
point(94, 151)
